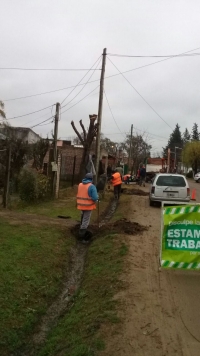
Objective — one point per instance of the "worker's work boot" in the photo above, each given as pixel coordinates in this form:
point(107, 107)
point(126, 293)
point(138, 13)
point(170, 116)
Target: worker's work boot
point(87, 238)
point(81, 234)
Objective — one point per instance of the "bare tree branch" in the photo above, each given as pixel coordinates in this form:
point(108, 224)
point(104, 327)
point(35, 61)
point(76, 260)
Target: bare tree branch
point(78, 134)
point(84, 131)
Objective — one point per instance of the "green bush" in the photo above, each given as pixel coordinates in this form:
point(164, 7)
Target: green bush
point(33, 186)
point(190, 174)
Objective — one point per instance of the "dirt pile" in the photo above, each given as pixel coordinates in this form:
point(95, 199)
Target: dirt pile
point(134, 192)
point(122, 226)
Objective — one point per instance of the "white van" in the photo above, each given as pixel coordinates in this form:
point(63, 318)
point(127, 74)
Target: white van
point(169, 187)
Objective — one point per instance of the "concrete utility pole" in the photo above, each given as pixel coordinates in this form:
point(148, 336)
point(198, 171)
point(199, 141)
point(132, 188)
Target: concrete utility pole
point(129, 157)
point(54, 172)
point(99, 119)
point(7, 179)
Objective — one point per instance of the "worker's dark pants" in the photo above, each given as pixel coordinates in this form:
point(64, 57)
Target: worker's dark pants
point(117, 191)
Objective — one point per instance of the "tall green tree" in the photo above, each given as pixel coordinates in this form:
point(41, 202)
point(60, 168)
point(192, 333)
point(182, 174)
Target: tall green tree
point(175, 140)
point(191, 155)
point(195, 132)
point(186, 136)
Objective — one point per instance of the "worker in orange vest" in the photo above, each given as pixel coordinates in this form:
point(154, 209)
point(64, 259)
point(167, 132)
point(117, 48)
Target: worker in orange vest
point(86, 202)
point(116, 182)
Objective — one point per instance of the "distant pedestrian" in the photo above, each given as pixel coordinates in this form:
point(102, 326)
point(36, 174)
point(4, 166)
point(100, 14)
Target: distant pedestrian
point(86, 202)
point(116, 182)
point(142, 175)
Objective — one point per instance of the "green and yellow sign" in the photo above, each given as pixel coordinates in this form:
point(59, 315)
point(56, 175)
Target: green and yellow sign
point(180, 247)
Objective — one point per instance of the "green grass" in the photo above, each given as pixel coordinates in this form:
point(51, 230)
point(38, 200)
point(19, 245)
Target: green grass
point(32, 264)
point(79, 331)
point(65, 205)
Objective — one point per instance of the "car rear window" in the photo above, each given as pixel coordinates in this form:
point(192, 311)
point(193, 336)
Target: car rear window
point(171, 181)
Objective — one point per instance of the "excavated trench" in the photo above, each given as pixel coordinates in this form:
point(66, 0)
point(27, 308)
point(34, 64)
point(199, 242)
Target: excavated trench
point(74, 275)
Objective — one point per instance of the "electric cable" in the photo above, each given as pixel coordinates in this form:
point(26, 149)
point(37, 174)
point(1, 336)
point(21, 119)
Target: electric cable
point(140, 95)
point(45, 69)
point(33, 112)
point(83, 86)
point(112, 113)
point(80, 100)
point(41, 123)
point(80, 80)
point(110, 76)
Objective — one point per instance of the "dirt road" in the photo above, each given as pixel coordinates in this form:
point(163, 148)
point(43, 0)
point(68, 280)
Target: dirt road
point(160, 309)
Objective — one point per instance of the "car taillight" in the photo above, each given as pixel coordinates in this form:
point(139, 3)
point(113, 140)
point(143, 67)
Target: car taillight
point(188, 191)
point(152, 190)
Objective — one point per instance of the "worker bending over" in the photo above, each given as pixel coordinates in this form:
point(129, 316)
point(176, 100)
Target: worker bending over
point(116, 180)
point(86, 202)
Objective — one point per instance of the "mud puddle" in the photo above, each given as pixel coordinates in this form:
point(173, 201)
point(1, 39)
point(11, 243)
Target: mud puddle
point(134, 191)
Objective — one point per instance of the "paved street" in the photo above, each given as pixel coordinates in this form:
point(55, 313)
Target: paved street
point(194, 185)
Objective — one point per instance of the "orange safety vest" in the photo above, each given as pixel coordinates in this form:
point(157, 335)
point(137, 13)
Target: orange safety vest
point(116, 179)
point(84, 202)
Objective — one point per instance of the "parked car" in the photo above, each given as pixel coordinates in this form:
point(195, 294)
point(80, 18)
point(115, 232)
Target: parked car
point(197, 177)
point(169, 187)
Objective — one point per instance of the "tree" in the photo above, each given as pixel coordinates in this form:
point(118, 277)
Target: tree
point(175, 140)
point(140, 149)
point(186, 137)
point(108, 145)
point(39, 150)
point(20, 153)
point(86, 139)
point(2, 113)
point(195, 132)
point(191, 155)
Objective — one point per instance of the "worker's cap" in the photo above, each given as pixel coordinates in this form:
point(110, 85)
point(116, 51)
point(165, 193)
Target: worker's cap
point(89, 176)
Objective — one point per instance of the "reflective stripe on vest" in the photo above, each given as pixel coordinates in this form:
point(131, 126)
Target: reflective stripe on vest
point(84, 202)
point(116, 179)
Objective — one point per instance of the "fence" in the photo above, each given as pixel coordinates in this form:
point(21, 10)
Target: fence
point(70, 166)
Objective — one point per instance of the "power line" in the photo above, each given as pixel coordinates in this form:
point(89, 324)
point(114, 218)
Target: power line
point(40, 123)
point(80, 100)
point(45, 69)
point(168, 56)
point(140, 95)
point(33, 112)
point(81, 81)
point(110, 76)
point(93, 70)
point(112, 113)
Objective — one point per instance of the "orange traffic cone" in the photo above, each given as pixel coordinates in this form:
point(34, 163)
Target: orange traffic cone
point(193, 196)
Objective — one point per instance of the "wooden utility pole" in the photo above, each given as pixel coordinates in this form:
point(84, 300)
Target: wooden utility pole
point(7, 178)
point(100, 114)
point(129, 157)
point(54, 167)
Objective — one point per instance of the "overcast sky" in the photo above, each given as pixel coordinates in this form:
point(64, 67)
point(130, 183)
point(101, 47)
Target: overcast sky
point(71, 34)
